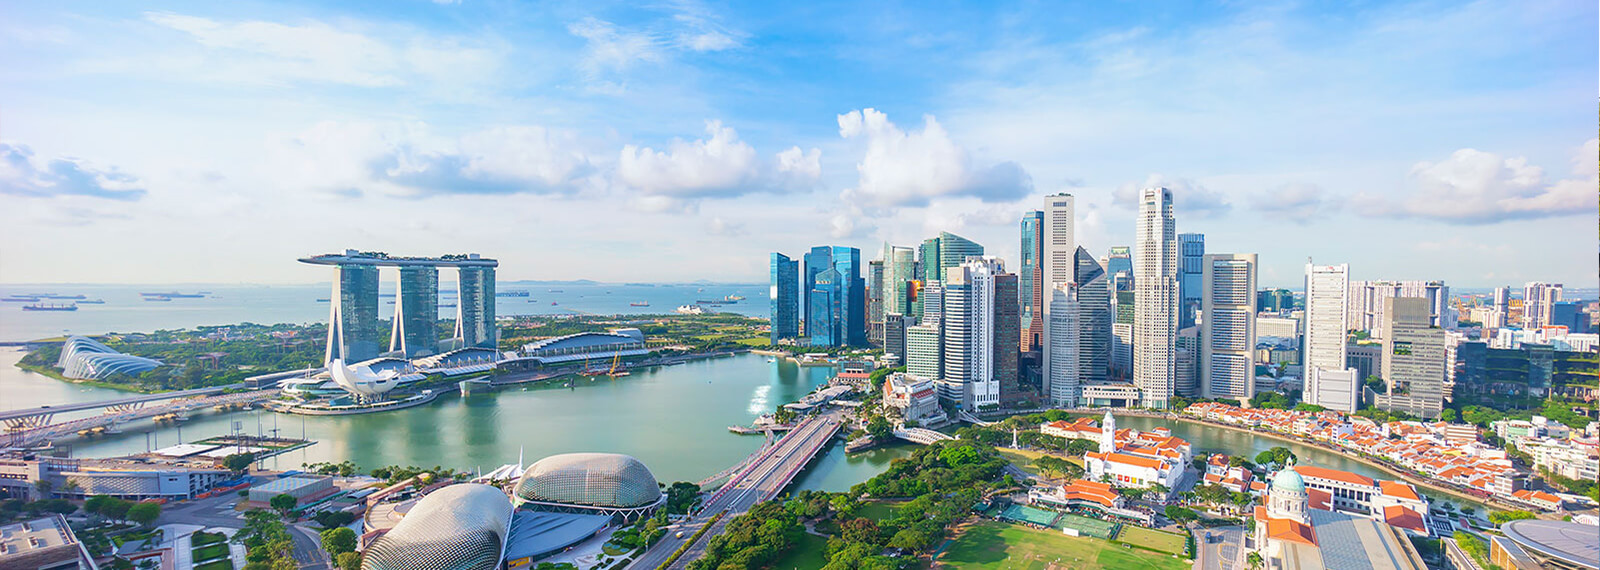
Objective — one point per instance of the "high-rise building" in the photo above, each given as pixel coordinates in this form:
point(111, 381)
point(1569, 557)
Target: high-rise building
point(1413, 359)
point(928, 254)
point(1228, 325)
point(475, 319)
point(1275, 300)
point(1058, 266)
point(1188, 349)
point(1030, 281)
point(1119, 266)
point(785, 295)
point(1155, 277)
point(836, 304)
point(925, 350)
point(1570, 314)
point(1093, 318)
point(875, 302)
point(894, 336)
point(1329, 381)
point(899, 271)
point(980, 333)
point(1502, 307)
point(1122, 335)
point(353, 324)
point(1191, 254)
point(932, 302)
point(1367, 302)
point(416, 322)
point(1063, 383)
point(954, 250)
point(1538, 299)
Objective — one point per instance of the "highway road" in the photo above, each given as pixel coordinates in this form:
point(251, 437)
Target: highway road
point(63, 408)
point(761, 481)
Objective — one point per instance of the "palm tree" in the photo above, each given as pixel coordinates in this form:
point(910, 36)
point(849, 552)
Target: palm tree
point(1254, 559)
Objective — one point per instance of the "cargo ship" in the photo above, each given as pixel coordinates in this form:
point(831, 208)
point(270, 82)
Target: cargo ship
point(20, 299)
point(92, 301)
point(50, 307)
point(639, 304)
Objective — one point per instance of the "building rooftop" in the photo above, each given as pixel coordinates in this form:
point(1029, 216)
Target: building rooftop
point(39, 543)
point(383, 259)
point(1569, 542)
point(287, 484)
point(536, 533)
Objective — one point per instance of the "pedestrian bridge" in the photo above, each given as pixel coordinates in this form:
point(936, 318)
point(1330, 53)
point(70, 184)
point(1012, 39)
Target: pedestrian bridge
point(922, 436)
point(967, 416)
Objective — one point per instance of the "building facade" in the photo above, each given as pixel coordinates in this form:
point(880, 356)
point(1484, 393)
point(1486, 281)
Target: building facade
point(475, 317)
point(1191, 259)
point(1155, 276)
point(1367, 302)
point(1228, 333)
point(1058, 266)
point(416, 308)
point(1030, 286)
point(1413, 359)
point(835, 297)
point(1538, 302)
point(784, 292)
point(1064, 380)
point(1328, 383)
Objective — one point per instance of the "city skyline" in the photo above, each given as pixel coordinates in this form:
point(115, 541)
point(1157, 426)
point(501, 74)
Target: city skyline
point(672, 136)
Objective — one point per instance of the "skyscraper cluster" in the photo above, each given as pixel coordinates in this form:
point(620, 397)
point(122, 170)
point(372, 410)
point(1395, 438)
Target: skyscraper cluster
point(353, 325)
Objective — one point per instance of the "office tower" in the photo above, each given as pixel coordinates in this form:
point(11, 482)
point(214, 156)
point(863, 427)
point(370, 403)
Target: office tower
point(1329, 380)
point(875, 302)
point(837, 315)
point(925, 351)
point(1191, 253)
point(1058, 265)
point(1007, 336)
point(1030, 281)
point(956, 320)
point(1228, 325)
point(416, 312)
point(1094, 318)
point(1187, 347)
point(1155, 277)
point(1367, 302)
point(899, 271)
point(475, 326)
point(1365, 359)
point(928, 254)
point(1119, 266)
point(954, 250)
point(894, 337)
point(1502, 307)
point(1413, 359)
point(1064, 382)
point(1569, 314)
point(1537, 301)
point(932, 302)
point(353, 324)
point(1122, 335)
point(785, 295)
point(974, 366)
point(1275, 300)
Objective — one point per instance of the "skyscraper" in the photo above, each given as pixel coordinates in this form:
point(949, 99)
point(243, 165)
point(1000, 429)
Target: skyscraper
point(899, 271)
point(1030, 284)
point(1119, 268)
point(1155, 277)
point(475, 325)
point(1094, 319)
point(1367, 302)
point(785, 296)
point(1502, 307)
point(1065, 381)
point(956, 320)
point(1122, 336)
point(353, 324)
point(1187, 349)
point(1058, 266)
point(894, 336)
point(875, 302)
point(928, 253)
point(1228, 329)
point(416, 322)
point(1329, 381)
point(1413, 359)
point(925, 351)
point(1191, 252)
point(836, 304)
point(1538, 299)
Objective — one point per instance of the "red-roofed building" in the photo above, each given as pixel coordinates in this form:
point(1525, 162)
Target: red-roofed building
point(1128, 458)
point(1539, 499)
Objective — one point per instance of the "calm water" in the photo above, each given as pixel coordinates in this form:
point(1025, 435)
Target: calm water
point(126, 311)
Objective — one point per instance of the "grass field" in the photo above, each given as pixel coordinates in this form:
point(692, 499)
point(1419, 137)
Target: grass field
point(1001, 546)
point(877, 511)
point(807, 554)
point(1023, 459)
point(1084, 525)
point(1154, 539)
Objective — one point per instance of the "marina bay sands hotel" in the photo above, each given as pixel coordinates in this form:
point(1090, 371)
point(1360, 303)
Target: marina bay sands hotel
point(353, 334)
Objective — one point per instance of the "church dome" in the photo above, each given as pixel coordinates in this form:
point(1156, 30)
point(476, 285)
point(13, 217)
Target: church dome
point(1289, 480)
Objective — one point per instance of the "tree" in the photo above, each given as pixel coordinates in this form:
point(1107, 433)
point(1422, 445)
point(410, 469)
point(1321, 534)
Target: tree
point(1277, 456)
point(1254, 559)
point(44, 487)
point(681, 497)
point(1503, 517)
point(144, 513)
point(117, 509)
point(878, 427)
point(348, 561)
point(238, 462)
point(339, 540)
point(1181, 515)
point(284, 503)
point(1051, 466)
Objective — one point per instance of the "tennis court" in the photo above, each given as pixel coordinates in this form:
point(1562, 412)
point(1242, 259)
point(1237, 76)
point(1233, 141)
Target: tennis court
point(1029, 515)
point(1086, 526)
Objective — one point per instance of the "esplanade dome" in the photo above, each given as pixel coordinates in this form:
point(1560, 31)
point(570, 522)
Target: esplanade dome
point(605, 480)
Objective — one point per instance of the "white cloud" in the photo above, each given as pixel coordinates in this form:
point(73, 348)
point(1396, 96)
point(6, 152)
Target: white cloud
point(1300, 202)
point(20, 176)
point(1190, 199)
point(1478, 187)
point(720, 165)
point(910, 168)
point(609, 48)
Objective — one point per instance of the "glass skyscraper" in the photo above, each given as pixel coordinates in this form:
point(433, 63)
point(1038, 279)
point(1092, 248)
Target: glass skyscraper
point(353, 326)
point(1094, 318)
point(1030, 290)
point(475, 325)
point(836, 302)
point(1119, 267)
point(785, 294)
point(1191, 253)
point(416, 322)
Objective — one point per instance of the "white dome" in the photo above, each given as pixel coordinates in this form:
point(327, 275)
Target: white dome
point(360, 379)
point(590, 479)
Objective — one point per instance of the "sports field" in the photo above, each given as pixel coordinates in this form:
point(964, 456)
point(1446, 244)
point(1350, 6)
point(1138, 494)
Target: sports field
point(1153, 539)
point(1086, 526)
point(1021, 513)
point(1004, 546)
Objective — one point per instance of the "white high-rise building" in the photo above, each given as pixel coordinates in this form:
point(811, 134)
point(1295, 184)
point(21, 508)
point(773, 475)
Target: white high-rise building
point(970, 369)
point(1155, 279)
point(1065, 379)
point(1328, 383)
point(1538, 300)
point(1228, 325)
point(1058, 267)
point(1367, 303)
point(1501, 309)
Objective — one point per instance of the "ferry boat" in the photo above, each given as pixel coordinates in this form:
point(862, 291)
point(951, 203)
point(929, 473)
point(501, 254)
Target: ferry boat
point(50, 307)
point(511, 294)
point(639, 304)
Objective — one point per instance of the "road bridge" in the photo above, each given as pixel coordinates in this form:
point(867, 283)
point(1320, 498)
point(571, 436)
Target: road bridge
point(42, 415)
point(31, 435)
point(760, 480)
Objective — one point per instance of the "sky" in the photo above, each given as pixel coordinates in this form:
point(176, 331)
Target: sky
point(207, 142)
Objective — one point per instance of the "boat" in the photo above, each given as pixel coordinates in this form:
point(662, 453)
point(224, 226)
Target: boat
point(20, 299)
point(732, 298)
point(553, 303)
point(325, 299)
point(556, 291)
point(59, 297)
point(639, 304)
point(691, 310)
point(92, 301)
point(771, 360)
point(174, 295)
point(511, 294)
point(159, 299)
point(50, 307)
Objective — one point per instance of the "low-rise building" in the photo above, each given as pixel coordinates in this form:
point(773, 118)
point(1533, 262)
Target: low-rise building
point(914, 396)
point(78, 478)
point(1130, 458)
point(43, 543)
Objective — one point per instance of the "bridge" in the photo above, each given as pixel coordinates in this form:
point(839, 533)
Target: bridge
point(120, 411)
point(762, 479)
point(42, 415)
point(923, 436)
point(967, 416)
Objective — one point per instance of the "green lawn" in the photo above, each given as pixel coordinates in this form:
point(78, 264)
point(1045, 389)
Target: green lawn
point(997, 546)
point(807, 554)
point(1154, 539)
point(877, 511)
point(756, 341)
point(209, 552)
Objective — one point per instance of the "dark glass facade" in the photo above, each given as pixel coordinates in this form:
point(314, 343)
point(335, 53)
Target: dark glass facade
point(836, 304)
point(785, 295)
point(1030, 283)
point(1191, 255)
point(417, 312)
point(475, 326)
point(355, 336)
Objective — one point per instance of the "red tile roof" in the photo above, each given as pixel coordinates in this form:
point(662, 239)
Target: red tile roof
point(1290, 530)
point(1334, 475)
point(1398, 489)
point(1401, 517)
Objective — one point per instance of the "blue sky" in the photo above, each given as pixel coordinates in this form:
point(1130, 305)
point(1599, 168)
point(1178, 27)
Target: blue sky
point(216, 142)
